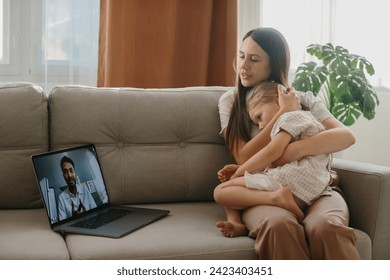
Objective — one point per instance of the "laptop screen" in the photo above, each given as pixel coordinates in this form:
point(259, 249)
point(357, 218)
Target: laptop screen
point(70, 182)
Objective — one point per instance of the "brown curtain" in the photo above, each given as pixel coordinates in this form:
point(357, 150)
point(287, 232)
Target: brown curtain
point(167, 43)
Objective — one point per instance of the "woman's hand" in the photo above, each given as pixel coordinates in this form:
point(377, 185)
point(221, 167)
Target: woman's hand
point(288, 99)
point(227, 172)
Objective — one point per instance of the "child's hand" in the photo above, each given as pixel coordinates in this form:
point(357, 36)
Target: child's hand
point(239, 173)
point(227, 172)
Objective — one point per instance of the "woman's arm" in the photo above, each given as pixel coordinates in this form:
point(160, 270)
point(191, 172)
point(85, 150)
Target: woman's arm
point(287, 102)
point(335, 138)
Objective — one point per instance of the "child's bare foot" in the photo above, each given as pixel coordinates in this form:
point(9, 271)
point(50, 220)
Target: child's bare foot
point(230, 229)
point(284, 199)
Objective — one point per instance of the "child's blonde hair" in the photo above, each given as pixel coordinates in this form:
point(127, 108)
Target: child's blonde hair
point(265, 92)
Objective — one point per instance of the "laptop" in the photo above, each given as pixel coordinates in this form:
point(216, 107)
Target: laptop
point(76, 199)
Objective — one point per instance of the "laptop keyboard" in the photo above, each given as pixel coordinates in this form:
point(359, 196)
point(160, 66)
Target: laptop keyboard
point(102, 218)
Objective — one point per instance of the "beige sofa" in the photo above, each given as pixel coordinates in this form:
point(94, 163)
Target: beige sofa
point(158, 148)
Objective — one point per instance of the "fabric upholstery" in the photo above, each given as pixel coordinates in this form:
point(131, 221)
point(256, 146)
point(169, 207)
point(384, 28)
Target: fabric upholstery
point(154, 145)
point(23, 132)
point(365, 185)
point(26, 235)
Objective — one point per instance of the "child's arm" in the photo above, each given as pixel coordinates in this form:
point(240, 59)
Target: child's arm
point(266, 156)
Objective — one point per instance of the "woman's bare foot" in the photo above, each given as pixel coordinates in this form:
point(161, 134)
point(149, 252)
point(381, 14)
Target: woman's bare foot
point(284, 199)
point(230, 229)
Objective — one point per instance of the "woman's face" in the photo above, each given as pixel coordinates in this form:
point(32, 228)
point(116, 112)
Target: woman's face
point(253, 63)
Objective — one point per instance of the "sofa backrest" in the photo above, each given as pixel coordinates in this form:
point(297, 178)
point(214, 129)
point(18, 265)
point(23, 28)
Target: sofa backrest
point(155, 145)
point(23, 132)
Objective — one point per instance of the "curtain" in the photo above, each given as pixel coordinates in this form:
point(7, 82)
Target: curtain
point(167, 43)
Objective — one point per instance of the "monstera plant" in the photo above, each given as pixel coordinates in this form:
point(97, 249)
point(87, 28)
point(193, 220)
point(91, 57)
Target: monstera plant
point(340, 79)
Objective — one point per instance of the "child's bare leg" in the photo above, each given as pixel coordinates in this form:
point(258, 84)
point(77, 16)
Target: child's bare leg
point(234, 195)
point(234, 226)
point(284, 199)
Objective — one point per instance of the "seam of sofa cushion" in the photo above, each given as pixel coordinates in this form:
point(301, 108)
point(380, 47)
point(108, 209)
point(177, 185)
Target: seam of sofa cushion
point(216, 253)
point(125, 89)
point(19, 148)
point(45, 123)
point(184, 151)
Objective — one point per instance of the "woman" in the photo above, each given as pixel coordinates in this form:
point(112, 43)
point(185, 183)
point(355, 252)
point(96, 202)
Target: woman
point(324, 233)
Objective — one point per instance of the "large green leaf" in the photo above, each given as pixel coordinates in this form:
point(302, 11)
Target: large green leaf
point(315, 50)
point(336, 59)
point(309, 77)
point(369, 103)
point(358, 86)
point(338, 85)
point(347, 114)
point(360, 62)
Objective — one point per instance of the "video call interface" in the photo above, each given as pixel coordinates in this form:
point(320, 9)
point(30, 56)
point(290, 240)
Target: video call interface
point(84, 173)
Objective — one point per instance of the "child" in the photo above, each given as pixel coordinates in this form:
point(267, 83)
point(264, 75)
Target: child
point(293, 186)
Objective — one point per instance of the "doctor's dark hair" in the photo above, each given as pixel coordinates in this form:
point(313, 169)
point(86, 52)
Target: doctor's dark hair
point(67, 159)
point(276, 47)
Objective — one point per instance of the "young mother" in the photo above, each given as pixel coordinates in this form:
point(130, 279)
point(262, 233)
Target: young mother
point(324, 233)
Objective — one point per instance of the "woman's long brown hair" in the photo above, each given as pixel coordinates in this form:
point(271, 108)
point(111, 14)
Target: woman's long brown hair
point(275, 45)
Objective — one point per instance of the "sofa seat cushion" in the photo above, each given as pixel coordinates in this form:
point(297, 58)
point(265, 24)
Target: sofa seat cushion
point(189, 232)
point(26, 235)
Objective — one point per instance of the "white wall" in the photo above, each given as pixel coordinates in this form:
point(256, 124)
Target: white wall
point(372, 137)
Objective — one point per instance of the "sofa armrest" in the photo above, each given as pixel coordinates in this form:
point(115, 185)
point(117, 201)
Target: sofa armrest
point(367, 191)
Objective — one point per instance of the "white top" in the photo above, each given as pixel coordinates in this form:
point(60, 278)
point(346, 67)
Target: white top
point(69, 203)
